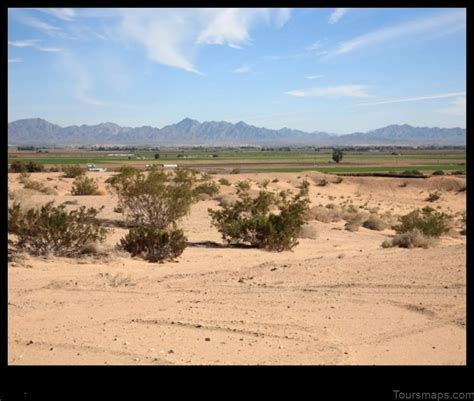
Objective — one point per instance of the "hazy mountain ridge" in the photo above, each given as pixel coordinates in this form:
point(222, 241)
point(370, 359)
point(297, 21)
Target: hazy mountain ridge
point(36, 131)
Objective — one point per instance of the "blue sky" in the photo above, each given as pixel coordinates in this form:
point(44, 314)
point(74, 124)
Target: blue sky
point(337, 70)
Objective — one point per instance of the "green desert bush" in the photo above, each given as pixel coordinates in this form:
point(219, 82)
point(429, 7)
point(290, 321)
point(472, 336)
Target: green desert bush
point(438, 172)
point(73, 171)
point(209, 188)
point(53, 230)
point(83, 185)
point(428, 221)
point(18, 167)
point(433, 197)
point(157, 199)
point(235, 171)
point(410, 239)
point(33, 167)
point(224, 181)
point(38, 186)
point(374, 222)
point(154, 244)
point(323, 182)
point(251, 220)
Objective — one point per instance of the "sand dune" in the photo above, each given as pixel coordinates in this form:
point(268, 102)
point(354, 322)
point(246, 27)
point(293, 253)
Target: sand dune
point(337, 299)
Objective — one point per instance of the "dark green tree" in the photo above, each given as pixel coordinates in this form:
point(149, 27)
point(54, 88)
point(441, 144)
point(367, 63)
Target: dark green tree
point(337, 155)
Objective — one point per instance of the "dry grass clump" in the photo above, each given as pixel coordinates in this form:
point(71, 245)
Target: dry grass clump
point(325, 214)
point(354, 220)
point(308, 231)
point(322, 183)
point(224, 181)
point(73, 171)
point(83, 185)
point(226, 200)
point(410, 239)
point(433, 197)
point(374, 222)
point(38, 186)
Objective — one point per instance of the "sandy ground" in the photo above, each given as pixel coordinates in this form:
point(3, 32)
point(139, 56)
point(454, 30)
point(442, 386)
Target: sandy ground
point(338, 298)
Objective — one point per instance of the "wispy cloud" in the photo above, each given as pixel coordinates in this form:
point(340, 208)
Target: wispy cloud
point(415, 98)
point(314, 76)
point(24, 43)
point(456, 108)
point(66, 14)
point(332, 91)
point(315, 46)
point(34, 44)
point(15, 60)
point(172, 36)
point(337, 14)
point(423, 25)
point(39, 24)
point(244, 69)
point(49, 49)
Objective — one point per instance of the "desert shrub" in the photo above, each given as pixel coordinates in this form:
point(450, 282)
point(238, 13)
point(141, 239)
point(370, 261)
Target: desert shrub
point(18, 167)
point(33, 167)
point(53, 230)
point(374, 222)
point(438, 172)
point(83, 185)
point(308, 232)
point(208, 188)
point(224, 181)
point(235, 171)
point(157, 199)
point(54, 169)
point(324, 214)
point(226, 200)
point(251, 220)
point(411, 173)
point(458, 172)
point(352, 225)
point(154, 244)
point(275, 180)
point(73, 171)
point(38, 186)
point(264, 183)
point(24, 177)
point(338, 180)
point(433, 197)
point(428, 221)
point(323, 183)
point(410, 239)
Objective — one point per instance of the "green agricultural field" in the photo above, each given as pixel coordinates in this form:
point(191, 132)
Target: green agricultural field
point(366, 169)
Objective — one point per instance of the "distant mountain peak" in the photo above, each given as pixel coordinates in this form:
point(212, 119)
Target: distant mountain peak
point(189, 132)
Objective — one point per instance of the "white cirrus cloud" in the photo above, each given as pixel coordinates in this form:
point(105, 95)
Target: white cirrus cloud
point(243, 69)
point(415, 98)
point(173, 37)
point(447, 20)
point(15, 60)
point(39, 24)
point(49, 49)
point(332, 91)
point(337, 14)
point(66, 14)
point(456, 108)
point(24, 43)
point(314, 76)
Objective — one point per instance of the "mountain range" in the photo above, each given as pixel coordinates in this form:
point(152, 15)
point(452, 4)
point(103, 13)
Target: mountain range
point(188, 132)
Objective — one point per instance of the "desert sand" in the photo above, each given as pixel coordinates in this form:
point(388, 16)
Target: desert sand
point(338, 298)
